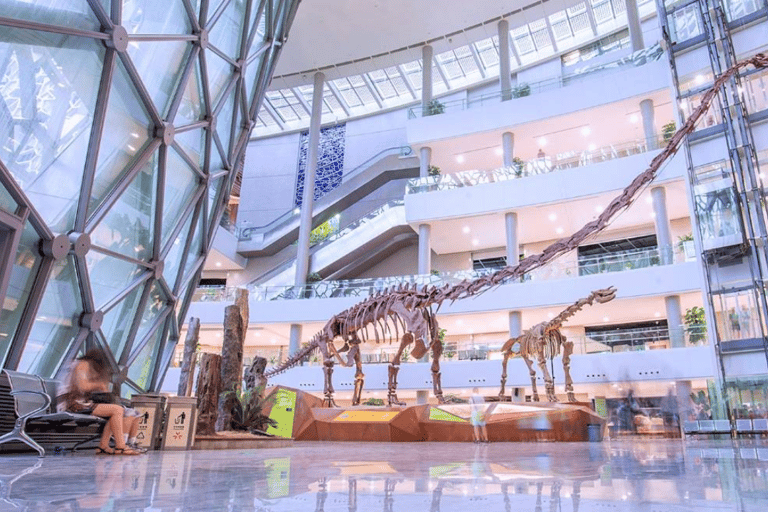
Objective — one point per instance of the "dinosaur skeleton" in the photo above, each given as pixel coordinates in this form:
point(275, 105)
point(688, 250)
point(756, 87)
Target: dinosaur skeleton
point(544, 340)
point(412, 311)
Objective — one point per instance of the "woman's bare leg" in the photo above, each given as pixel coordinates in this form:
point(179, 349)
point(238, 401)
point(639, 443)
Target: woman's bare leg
point(114, 427)
point(131, 425)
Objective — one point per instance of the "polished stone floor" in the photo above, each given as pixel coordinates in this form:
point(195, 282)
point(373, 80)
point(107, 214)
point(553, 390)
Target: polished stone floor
point(627, 475)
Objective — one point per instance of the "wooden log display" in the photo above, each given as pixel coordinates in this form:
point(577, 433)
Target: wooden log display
point(208, 389)
point(188, 362)
point(231, 366)
point(241, 301)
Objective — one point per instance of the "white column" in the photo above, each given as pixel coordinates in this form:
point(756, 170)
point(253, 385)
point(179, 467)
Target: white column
point(294, 341)
point(505, 77)
point(426, 77)
point(513, 245)
point(661, 221)
point(425, 251)
point(508, 148)
point(307, 202)
point(633, 23)
point(515, 324)
point(425, 161)
point(649, 129)
point(674, 321)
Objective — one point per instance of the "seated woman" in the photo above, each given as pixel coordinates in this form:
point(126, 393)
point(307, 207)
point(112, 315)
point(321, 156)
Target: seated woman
point(89, 385)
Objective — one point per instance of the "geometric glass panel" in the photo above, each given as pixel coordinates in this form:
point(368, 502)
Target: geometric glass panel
point(56, 324)
point(25, 267)
point(195, 249)
point(48, 89)
point(219, 75)
point(157, 302)
point(192, 142)
point(330, 161)
point(140, 370)
point(192, 106)
point(6, 201)
point(163, 17)
point(109, 276)
point(128, 227)
point(160, 64)
point(180, 183)
point(125, 134)
point(117, 321)
point(224, 120)
point(173, 258)
point(72, 13)
point(225, 34)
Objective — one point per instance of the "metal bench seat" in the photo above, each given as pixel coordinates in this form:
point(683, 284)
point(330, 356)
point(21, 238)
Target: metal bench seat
point(33, 404)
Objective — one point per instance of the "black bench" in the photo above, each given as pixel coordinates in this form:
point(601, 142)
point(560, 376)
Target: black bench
point(35, 401)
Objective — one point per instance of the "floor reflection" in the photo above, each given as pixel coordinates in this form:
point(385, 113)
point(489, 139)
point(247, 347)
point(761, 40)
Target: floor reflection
point(664, 475)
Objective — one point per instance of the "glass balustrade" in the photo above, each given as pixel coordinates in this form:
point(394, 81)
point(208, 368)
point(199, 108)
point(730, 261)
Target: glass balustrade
point(565, 160)
point(617, 262)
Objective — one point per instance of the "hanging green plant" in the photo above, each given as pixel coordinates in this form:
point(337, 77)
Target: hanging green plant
point(668, 130)
point(695, 324)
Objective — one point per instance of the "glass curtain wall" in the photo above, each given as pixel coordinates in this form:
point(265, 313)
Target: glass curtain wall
point(122, 125)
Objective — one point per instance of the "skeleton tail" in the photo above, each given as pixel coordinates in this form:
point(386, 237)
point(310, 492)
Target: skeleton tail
point(295, 358)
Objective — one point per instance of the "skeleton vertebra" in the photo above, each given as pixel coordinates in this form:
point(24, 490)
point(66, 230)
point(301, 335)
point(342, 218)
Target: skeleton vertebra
point(544, 341)
point(412, 308)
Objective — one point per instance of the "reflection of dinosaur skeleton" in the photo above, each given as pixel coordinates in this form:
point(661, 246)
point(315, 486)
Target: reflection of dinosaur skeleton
point(412, 308)
point(544, 340)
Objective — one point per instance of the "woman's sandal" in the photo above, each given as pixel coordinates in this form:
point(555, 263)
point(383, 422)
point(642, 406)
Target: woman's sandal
point(117, 451)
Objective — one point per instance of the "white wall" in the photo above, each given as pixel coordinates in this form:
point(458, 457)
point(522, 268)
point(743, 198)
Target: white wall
point(402, 263)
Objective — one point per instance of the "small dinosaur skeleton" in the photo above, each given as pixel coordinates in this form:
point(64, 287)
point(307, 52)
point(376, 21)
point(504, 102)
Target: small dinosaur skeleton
point(413, 310)
point(544, 340)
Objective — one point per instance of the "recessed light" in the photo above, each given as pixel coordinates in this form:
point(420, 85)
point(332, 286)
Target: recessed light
point(699, 79)
point(475, 242)
point(657, 314)
point(257, 334)
point(459, 322)
point(653, 215)
point(218, 263)
point(605, 319)
point(649, 199)
point(542, 141)
point(633, 119)
point(559, 231)
point(598, 209)
point(273, 341)
point(465, 229)
point(499, 151)
point(591, 147)
point(460, 159)
point(296, 211)
point(586, 130)
point(553, 217)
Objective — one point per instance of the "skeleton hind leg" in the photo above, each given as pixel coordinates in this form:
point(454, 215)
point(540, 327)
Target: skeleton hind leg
point(567, 351)
point(437, 387)
point(359, 376)
point(394, 368)
point(328, 391)
point(549, 381)
point(532, 373)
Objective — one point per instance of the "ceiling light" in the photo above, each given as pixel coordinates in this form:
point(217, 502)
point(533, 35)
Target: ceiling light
point(553, 217)
point(273, 341)
point(465, 229)
point(296, 210)
point(699, 79)
point(657, 314)
point(653, 215)
point(218, 263)
point(591, 147)
point(542, 141)
point(460, 159)
point(605, 319)
point(559, 231)
point(598, 209)
point(475, 242)
point(499, 151)
point(633, 119)
point(649, 199)
point(586, 130)
point(257, 334)
point(459, 322)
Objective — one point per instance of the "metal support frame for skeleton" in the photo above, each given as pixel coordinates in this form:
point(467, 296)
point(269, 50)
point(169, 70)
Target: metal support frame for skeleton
point(412, 310)
point(544, 341)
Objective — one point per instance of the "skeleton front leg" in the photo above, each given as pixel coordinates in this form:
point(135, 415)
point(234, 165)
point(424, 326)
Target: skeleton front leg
point(359, 376)
point(549, 382)
point(504, 375)
point(567, 351)
point(394, 368)
point(328, 390)
point(437, 388)
point(532, 373)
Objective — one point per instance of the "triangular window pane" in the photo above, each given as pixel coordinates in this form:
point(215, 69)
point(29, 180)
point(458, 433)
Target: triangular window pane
point(180, 185)
point(118, 320)
point(128, 227)
point(173, 258)
point(156, 304)
point(48, 89)
point(142, 367)
point(165, 17)
point(109, 276)
point(194, 250)
point(73, 13)
point(192, 142)
point(228, 30)
point(126, 131)
point(55, 326)
point(219, 75)
point(224, 121)
point(160, 65)
point(192, 107)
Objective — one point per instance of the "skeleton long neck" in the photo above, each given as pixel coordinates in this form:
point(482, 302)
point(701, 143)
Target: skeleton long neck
point(568, 312)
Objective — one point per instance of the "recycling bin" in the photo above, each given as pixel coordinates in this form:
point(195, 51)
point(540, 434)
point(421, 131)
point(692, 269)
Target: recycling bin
point(180, 423)
point(151, 408)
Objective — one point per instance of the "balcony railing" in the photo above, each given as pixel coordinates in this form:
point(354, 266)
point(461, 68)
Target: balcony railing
point(536, 166)
point(437, 107)
point(617, 262)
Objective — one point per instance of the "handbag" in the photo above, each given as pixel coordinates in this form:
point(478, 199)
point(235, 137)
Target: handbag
point(102, 398)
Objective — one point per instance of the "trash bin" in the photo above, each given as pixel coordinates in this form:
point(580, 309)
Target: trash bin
point(595, 433)
point(180, 423)
point(151, 408)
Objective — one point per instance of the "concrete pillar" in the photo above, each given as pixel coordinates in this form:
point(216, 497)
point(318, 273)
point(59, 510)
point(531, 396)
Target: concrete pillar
point(508, 148)
point(683, 391)
point(422, 396)
point(515, 324)
point(425, 250)
point(633, 23)
point(505, 76)
point(674, 321)
point(294, 342)
point(649, 130)
point(305, 227)
point(661, 221)
point(513, 245)
point(425, 161)
point(426, 77)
